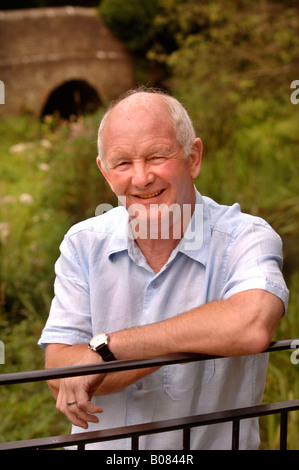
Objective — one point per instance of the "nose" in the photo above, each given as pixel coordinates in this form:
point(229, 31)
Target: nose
point(142, 175)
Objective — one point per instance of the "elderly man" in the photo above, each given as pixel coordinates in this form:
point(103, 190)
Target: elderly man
point(157, 291)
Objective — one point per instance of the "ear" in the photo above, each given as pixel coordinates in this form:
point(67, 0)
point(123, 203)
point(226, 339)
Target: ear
point(104, 172)
point(195, 158)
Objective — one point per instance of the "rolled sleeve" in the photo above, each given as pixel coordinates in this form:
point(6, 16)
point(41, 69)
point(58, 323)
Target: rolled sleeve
point(254, 261)
point(69, 320)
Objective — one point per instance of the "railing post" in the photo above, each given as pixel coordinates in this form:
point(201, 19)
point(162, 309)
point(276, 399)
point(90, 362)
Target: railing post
point(186, 439)
point(135, 443)
point(236, 434)
point(283, 430)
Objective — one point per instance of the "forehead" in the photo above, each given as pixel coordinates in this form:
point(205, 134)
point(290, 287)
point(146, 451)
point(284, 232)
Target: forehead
point(144, 111)
point(142, 100)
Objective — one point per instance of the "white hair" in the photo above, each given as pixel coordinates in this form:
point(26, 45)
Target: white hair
point(182, 124)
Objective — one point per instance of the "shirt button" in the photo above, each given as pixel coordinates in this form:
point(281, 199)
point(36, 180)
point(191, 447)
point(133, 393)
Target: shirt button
point(155, 284)
point(139, 385)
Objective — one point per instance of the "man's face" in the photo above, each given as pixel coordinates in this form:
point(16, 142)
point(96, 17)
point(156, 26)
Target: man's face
point(144, 162)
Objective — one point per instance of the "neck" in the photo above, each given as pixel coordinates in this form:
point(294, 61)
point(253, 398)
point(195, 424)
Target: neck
point(157, 240)
point(156, 252)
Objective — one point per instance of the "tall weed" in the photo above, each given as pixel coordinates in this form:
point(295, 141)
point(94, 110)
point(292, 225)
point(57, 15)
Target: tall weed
point(49, 182)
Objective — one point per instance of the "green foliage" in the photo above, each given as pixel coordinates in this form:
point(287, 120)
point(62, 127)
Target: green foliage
point(131, 21)
point(282, 379)
point(234, 77)
point(27, 410)
point(245, 54)
point(50, 181)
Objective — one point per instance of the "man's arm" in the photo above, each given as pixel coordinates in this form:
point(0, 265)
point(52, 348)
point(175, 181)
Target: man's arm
point(241, 325)
point(61, 355)
point(81, 389)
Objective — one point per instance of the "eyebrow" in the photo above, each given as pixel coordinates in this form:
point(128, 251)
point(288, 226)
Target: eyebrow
point(164, 149)
point(113, 161)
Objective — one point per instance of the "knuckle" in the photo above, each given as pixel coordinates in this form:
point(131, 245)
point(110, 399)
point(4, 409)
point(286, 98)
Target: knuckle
point(58, 407)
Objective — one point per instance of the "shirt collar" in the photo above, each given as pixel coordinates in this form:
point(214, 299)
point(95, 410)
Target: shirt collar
point(119, 239)
point(194, 244)
point(196, 240)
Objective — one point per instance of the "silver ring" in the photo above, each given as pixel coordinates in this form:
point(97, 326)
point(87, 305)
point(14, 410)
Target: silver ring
point(71, 403)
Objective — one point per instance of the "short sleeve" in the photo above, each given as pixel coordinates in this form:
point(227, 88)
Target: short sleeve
point(254, 261)
point(69, 320)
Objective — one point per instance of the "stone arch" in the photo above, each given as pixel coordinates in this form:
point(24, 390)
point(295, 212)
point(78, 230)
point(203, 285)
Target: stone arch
point(42, 48)
point(72, 98)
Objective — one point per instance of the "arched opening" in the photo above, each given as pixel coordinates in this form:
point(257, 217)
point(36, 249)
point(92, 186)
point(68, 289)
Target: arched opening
point(72, 99)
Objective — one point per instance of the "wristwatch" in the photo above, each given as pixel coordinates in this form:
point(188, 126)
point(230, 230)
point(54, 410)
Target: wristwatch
point(99, 344)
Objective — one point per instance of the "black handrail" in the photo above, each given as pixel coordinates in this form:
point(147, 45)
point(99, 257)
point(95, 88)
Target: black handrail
point(117, 366)
point(186, 423)
point(134, 432)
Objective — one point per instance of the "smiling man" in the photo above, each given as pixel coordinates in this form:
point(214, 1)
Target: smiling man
point(122, 293)
point(145, 164)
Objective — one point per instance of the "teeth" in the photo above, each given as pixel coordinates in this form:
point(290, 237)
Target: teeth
point(147, 196)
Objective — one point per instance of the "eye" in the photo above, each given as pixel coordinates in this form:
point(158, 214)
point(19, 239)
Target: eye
point(157, 158)
point(122, 164)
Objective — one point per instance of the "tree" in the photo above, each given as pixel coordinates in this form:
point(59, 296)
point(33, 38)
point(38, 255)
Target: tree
point(131, 21)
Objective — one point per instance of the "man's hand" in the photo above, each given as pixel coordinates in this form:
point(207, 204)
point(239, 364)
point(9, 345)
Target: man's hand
point(74, 400)
point(75, 394)
point(81, 389)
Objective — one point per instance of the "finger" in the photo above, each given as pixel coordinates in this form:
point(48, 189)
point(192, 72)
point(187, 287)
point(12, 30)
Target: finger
point(81, 418)
point(75, 404)
point(81, 414)
point(90, 407)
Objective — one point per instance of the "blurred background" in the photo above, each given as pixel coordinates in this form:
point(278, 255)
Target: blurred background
point(232, 64)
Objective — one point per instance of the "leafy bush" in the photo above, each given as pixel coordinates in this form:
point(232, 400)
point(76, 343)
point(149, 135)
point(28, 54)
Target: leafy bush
point(131, 21)
point(50, 181)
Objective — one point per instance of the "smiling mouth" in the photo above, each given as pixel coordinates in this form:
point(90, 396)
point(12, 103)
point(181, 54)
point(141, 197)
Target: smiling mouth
point(148, 196)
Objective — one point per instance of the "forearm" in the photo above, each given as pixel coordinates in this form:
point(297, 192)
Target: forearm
point(61, 355)
point(241, 325)
point(116, 381)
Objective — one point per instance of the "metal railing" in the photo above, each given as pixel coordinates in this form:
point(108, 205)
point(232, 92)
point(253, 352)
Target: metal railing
point(235, 416)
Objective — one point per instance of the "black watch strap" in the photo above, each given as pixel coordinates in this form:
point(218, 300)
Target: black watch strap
point(105, 353)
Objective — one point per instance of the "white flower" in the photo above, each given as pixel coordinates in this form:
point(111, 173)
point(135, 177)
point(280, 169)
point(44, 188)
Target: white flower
point(46, 143)
point(19, 148)
point(8, 199)
point(4, 231)
point(26, 198)
point(44, 166)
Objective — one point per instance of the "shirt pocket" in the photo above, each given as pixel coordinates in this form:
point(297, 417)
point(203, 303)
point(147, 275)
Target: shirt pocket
point(181, 381)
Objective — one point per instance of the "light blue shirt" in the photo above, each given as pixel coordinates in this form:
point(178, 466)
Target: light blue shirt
point(104, 284)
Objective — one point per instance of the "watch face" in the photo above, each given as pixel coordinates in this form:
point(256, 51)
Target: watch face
point(98, 340)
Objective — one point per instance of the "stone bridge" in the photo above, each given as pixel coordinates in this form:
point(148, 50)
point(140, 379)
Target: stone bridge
point(62, 59)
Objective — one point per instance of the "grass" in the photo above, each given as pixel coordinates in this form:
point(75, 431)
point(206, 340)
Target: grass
point(27, 410)
point(50, 181)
